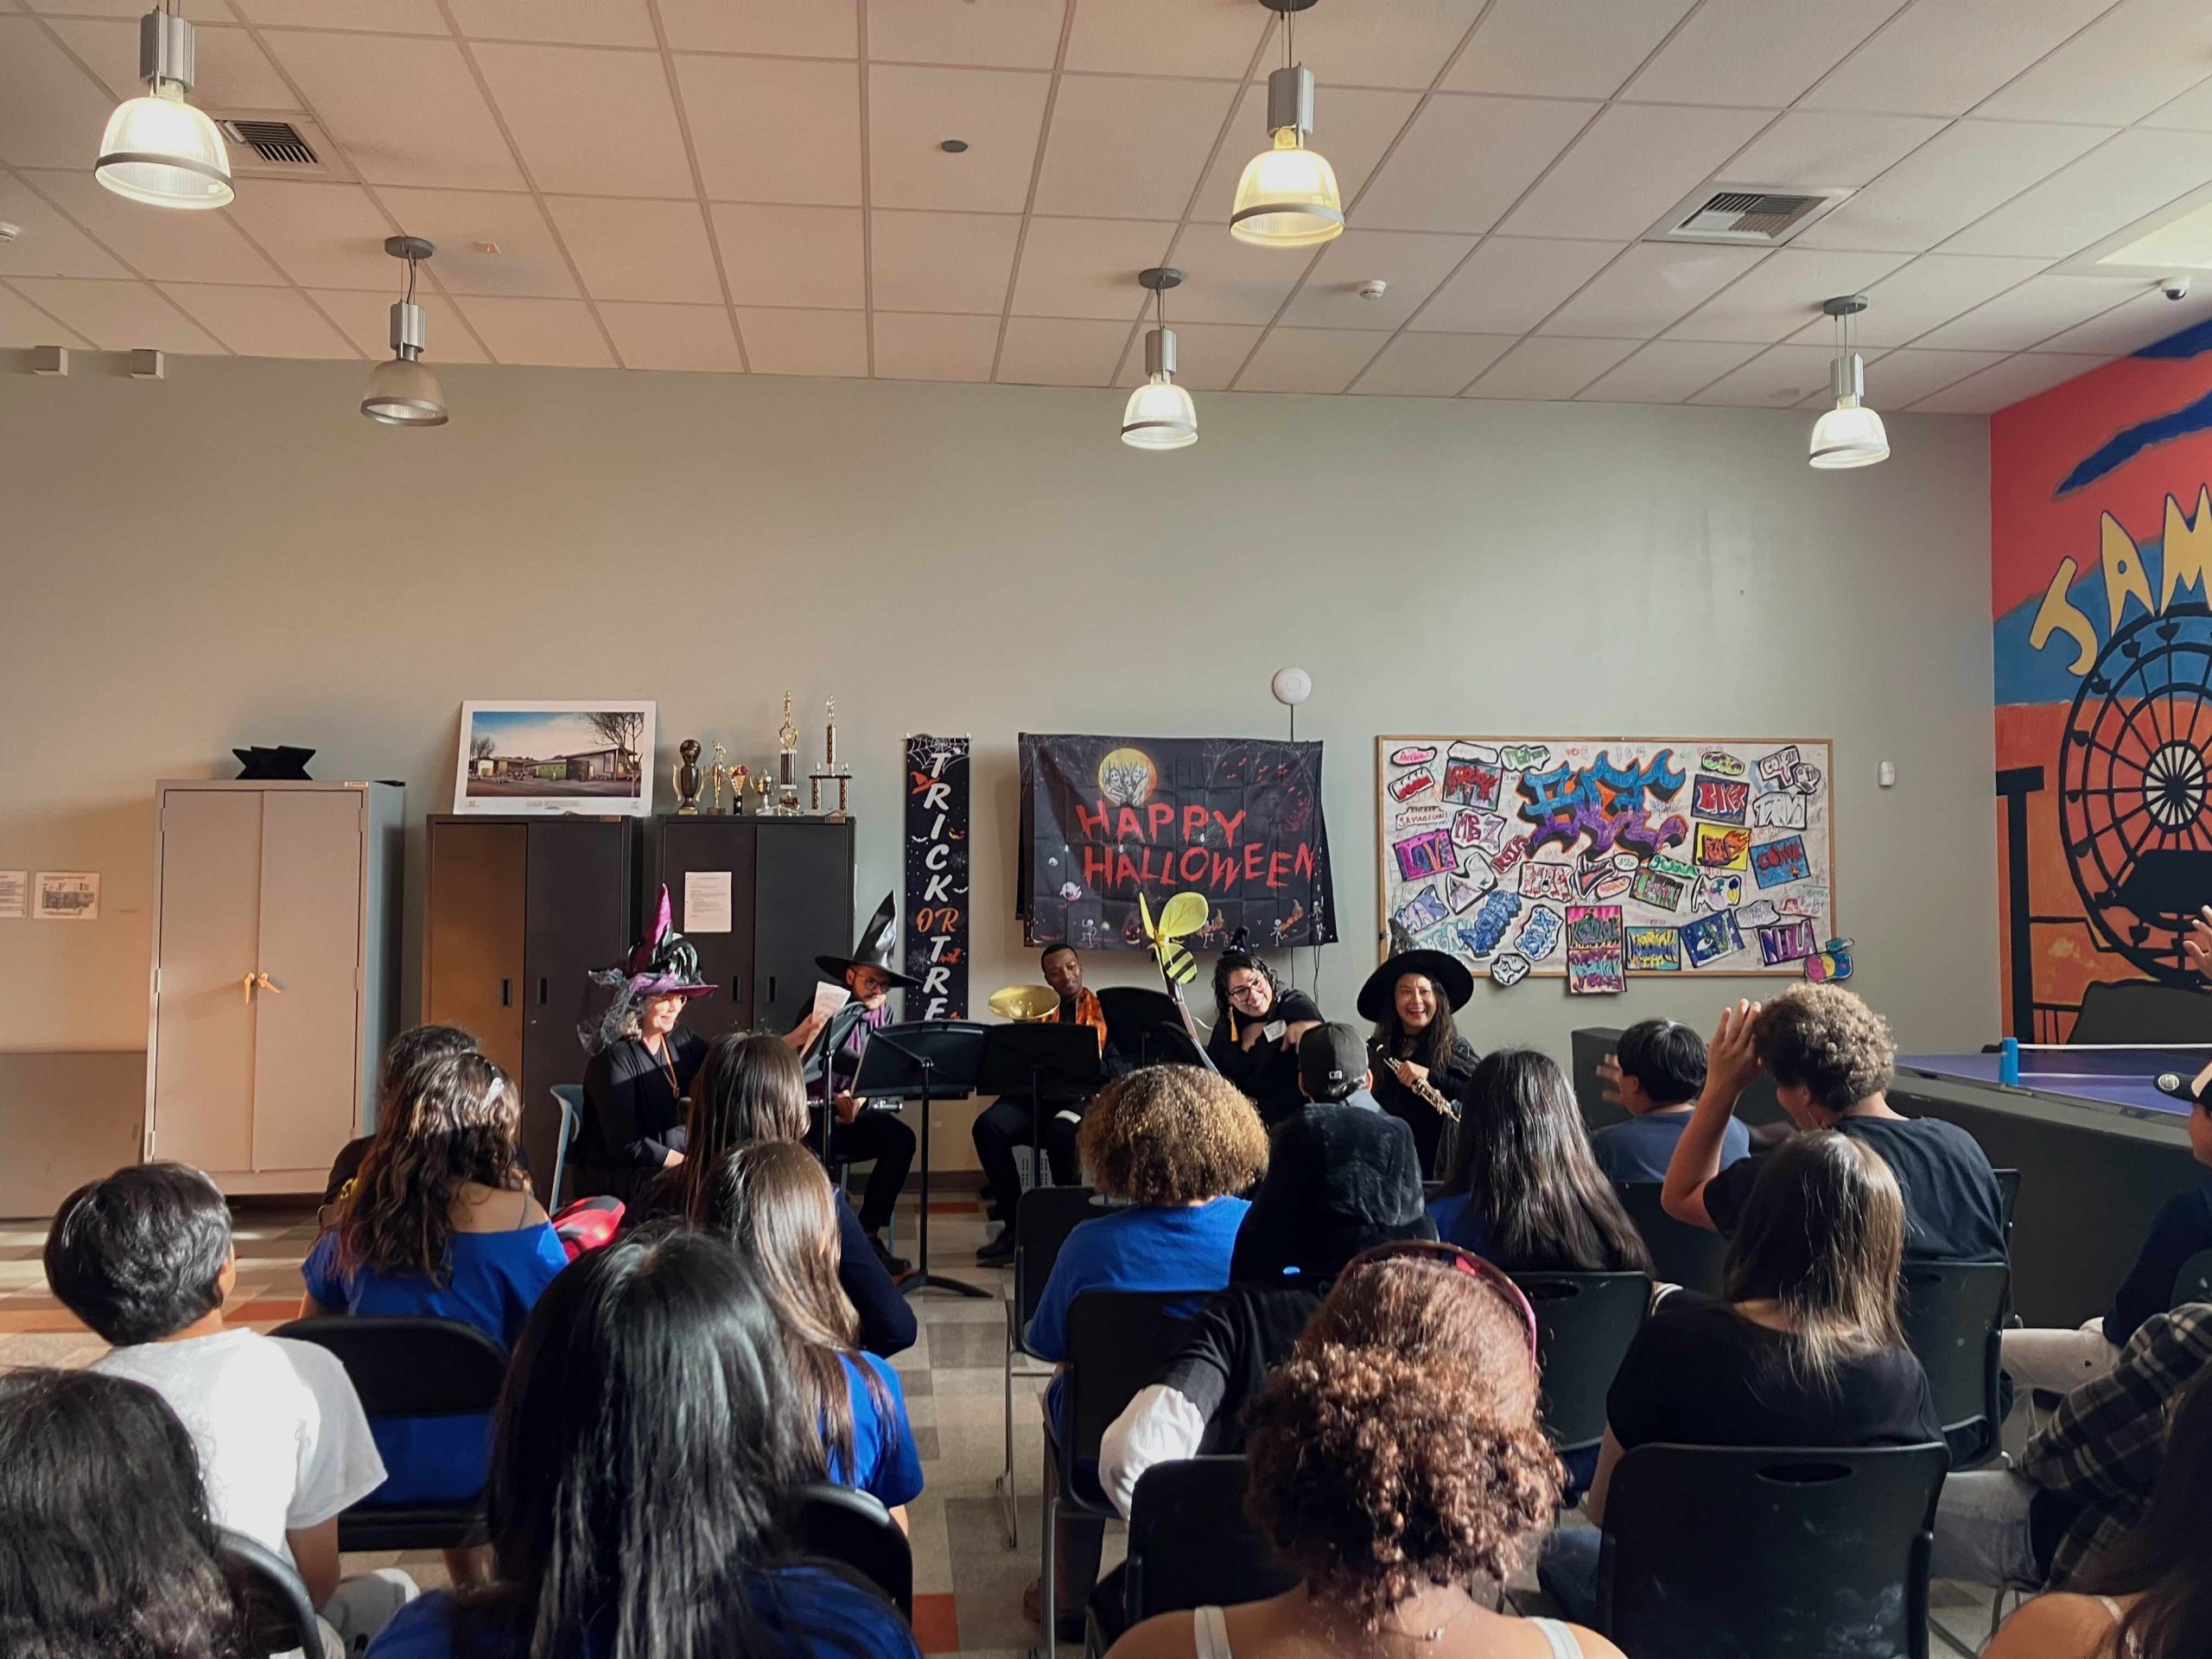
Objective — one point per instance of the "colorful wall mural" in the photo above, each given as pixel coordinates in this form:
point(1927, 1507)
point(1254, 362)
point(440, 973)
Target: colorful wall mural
point(2100, 548)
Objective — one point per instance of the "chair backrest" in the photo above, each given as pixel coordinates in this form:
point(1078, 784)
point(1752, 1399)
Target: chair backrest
point(1953, 1313)
point(2008, 1200)
point(1117, 1339)
point(853, 1527)
point(1043, 1219)
point(1584, 1322)
point(1190, 1544)
point(410, 1366)
point(1813, 1554)
point(1680, 1254)
point(2193, 1282)
point(569, 1097)
point(272, 1600)
point(2143, 1013)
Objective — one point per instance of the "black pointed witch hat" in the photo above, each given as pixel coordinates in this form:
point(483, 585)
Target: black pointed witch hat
point(874, 949)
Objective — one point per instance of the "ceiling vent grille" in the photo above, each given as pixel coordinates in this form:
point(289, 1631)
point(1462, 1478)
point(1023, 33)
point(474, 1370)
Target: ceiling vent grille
point(1744, 216)
point(273, 141)
point(276, 144)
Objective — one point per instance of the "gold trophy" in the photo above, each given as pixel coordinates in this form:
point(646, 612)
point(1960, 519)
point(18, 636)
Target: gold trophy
point(787, 765)
point(737, 777)
point(687, 779)
point(762, 785)
point(830, 771)
point(718, 773)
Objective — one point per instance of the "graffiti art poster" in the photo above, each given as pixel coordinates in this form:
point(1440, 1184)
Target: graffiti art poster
point(936, 877)
point(1700, 845)
point(1105, 819)
point(1597, 950)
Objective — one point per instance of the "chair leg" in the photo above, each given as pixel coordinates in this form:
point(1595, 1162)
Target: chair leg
point(1009, 1494)
point(1949, 1641)
point(1048, 1601)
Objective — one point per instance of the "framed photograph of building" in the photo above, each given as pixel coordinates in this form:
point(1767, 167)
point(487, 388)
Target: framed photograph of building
point(556, 757)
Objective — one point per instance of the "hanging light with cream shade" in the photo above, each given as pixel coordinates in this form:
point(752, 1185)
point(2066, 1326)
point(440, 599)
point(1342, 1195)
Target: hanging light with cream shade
point(402, 392)
point(158, 148)
point(1288, 197)
point(1850, 435)
point(1161, 415)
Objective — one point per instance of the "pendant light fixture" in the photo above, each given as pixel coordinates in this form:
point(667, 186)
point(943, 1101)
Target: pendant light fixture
point(158, 148)
point(1288, 197)
point(1850, 435)
point(1161, 415)
point(402, 391)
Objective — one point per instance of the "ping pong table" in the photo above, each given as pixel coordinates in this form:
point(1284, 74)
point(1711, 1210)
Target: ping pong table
point(2110, 1079)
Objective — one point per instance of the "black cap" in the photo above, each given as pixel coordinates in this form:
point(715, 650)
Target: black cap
point(1332, 1059)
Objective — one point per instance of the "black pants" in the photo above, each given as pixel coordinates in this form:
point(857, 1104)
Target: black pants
point(1008, 1123)
point(878, 1135)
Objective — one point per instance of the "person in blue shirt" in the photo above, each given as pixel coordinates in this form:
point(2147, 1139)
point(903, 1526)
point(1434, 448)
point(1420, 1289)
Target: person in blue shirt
point(1657, 1071)
point(647, 1450)
point(772, 1198)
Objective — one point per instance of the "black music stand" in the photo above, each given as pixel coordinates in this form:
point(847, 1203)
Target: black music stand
point(928, 1060)
point(820, 1063)
point(1048, 1060)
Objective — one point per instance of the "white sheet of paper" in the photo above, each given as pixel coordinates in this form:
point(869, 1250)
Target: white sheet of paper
point(15, 894)
point(828, 998)
point(68, 895)
point(706, 901)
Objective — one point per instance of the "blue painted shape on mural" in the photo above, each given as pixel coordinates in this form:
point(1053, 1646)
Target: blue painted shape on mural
point(2192, 342)
point(2026, 674)
point(2130, 442)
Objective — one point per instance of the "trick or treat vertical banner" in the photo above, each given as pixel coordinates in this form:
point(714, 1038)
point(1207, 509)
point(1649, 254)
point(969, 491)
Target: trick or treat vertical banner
point(1238, 820)
point(2101, 540)
point(936, 877)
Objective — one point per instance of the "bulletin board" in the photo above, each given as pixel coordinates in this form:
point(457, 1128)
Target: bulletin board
point(1594, 858)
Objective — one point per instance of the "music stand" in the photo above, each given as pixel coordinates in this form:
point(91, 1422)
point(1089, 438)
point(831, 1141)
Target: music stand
point(1047, 1059)
point(820, 1062)
point(928, 1060)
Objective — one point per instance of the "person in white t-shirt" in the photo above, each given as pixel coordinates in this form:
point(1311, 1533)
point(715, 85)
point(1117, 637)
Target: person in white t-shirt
point(144, 1257)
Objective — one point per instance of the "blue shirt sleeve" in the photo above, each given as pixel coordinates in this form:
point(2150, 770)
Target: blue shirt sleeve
point(1735, 1142)
point(539, 1268)
point(422, 1630)
point(319, 1270)
point(896, 1476)
point(2183, 1227)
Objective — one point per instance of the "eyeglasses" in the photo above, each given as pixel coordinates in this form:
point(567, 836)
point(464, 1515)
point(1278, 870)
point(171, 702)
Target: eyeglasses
point(1248, 989)
point(1459, 1261)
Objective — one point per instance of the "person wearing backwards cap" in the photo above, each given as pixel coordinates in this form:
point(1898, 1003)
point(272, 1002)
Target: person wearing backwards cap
point(1411, 998)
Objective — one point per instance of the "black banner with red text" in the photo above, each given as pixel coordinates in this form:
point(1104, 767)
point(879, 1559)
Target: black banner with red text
point(936, 877)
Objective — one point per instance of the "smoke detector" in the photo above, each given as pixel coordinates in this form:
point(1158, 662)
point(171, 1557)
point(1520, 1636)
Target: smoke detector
point(1373, 289)
point(9, 232)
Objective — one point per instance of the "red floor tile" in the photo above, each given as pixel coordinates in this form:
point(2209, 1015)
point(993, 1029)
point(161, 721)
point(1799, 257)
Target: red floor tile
point(936, 1626)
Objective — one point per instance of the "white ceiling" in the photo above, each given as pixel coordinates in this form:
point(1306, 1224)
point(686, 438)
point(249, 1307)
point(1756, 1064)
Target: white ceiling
point(755, 185)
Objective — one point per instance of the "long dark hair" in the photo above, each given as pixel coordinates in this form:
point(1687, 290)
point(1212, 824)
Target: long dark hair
point(750, 1087)
point(1523, 1156)
point(106, 1551)
point(646, 1447)
point(452, 1123)
point(410, 1049)
point(2166, 1557)
point(1431, 1045)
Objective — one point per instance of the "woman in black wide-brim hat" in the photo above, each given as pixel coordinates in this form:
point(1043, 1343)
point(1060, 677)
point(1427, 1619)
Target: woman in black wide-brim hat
point(1411, 998)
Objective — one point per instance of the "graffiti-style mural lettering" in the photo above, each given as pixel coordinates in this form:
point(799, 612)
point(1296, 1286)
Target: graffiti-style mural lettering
point(1605, 803)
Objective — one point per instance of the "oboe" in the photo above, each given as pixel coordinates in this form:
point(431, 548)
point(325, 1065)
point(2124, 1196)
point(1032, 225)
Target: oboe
point(1428, 1092)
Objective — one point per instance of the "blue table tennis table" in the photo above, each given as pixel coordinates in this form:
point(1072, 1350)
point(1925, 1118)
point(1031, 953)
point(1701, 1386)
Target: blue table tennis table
point(2110, 1079)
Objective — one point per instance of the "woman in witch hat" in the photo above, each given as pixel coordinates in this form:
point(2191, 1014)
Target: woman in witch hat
point(1411, 998)
point(642, 1065)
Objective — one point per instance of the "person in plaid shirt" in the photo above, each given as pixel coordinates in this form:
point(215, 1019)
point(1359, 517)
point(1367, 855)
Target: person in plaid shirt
point(2086, 1477)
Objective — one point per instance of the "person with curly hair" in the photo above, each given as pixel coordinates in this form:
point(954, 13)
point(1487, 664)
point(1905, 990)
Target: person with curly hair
point(1832, 1060)
point(1395, 1457)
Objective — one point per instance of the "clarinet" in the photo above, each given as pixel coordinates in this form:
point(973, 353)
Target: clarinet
point(1421, 1088)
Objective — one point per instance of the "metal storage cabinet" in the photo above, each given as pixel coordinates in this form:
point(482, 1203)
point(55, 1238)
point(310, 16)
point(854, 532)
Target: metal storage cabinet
point(790, 883)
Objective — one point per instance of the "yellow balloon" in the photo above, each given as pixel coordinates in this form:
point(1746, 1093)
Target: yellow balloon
point(1184, 913)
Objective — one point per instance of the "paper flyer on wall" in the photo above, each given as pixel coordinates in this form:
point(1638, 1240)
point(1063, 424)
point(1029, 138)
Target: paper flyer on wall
point(68, 896)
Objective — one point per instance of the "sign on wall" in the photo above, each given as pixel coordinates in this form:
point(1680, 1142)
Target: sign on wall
point(936, 877)
point(1595, 858)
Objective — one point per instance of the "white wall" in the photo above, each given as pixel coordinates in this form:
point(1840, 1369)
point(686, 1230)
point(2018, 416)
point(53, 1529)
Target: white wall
point(234, 556)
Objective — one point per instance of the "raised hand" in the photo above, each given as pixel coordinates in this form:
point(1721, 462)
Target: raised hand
point(2196, 945)
point(1729, 1061)
point(1609, 1076)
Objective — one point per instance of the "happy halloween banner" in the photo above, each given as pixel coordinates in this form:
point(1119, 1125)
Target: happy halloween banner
point(1236, 819)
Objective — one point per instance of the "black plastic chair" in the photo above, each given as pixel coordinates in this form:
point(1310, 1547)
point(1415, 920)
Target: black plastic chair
point(274, 1611)
point(851, 1527)
point(411, 1367)
point(1043, 1219)
point(1953, 1315)
point(2193, 1282)
point(2008, 1200)
point(1680, 1254)
point(1768, 1551)
point(1190, 1544)
point(1584, 1322)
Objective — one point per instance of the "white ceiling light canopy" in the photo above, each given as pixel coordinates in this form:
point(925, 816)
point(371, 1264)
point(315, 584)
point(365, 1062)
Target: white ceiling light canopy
point(402, 392)
point(158, 148)
point(1850, 435)
point(1161, 415)
point(1288, 197)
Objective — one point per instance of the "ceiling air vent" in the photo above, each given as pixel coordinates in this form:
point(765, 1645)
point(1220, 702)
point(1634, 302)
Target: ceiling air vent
point(1744, 215)
point(273, 141)
point(277, 145)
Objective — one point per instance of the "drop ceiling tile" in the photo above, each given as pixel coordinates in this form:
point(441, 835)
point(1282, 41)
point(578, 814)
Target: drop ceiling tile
point(778, 257)
point(119, 317)
point(1123, 147)
point(1562, 48)
point(1357, 126)
point(165, 247)
point(2131, 326)
point(1088, 267)
point(261, 322)
point(51, 111)
point(23, 323)
point(1777, 379)
point(528, 262)
point(998, 112)
point(1208, 355)
point(1666, 372)
point(1635, 162)
point(1942, 57)
point(398, 17)
point(1216, 38)
point(233, 72)
point(2136, 173)
point(1544, 368)
point(1814, 150)
point(804, 342)
point(639, 250)
point(573, 22)
point(557, 332)
point(200, 11)
point(683, 337)
point(2005, 384)
point(2122, 67)
point(2033, 312)
point(942, 262)
point(321, 235)
point(1228, 281)
point(1648, 288)
point(1411, 262)
point(1382, 42)
point(406, 112)
point(1428, 184)
point(1905, 376)
point(588, 121)
point(1780, 295)
point(2193, 109)
point(998, 34)
point(365, 318)
point(49, 245)
point(912, 346)
point(1059, 351)
point(1746, 51)
point(1311, 359)
point(1431, 366)
point(1924, 294)
point(1509, 284)
point(818, 29)
point(774, 130)
point(1948, 184)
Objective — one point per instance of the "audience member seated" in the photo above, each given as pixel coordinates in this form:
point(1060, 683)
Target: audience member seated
point(1656, 1073)
point(648, 1446)
point(145, 1258)
point(773, 1200)
point(1830, 1059)
point(440, 1224)
point(1256, 1028)
point(753, 1087)
point(106, 1548)
point(402, 1055)
point(1805, 1349)
point(2086, 1477)
point(2150, 1597)
point(2056, 1361)
point(1411, 998)
point(1394, 1459)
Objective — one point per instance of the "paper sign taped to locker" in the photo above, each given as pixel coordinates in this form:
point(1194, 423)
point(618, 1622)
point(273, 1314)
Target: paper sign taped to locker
point(706, 901)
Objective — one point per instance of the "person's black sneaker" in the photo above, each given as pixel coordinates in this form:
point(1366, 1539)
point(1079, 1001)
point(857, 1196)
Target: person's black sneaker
point(999, 1251)
point(895, 1265)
